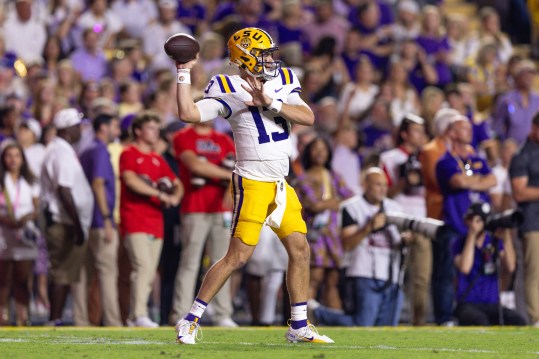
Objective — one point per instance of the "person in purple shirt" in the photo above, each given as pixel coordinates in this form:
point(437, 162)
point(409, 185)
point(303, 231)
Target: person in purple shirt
point(463, 178)
point(475, 256)
point(435, 44)
point(103, 242)
point(192, 14)
point(89, 61)
point(513, 113)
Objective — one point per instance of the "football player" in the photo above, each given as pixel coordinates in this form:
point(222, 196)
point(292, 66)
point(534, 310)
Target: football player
point(260, 104)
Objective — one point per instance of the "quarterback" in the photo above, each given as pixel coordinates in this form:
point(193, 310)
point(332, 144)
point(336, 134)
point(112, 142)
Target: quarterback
point(260, 105)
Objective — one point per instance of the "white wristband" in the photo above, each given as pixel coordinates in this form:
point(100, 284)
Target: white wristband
point(184, 76)
point(275, 106)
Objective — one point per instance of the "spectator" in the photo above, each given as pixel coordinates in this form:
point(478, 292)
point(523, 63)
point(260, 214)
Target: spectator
point(89, 60)
point(524, 173)
point(361, 93)
point(373, 268)
point(463, 177)
point(193, 14)
point(490, 31)
point(170, 254)
point(68, 215)
point(475, 256)
point(206, 160)
point(140, 210)
point(103, 22)
point(321, 192)
point(68, 86)
point(28, 136)
point(52, 54)
point(421, 72)
point(291, 39)
point(326, 23)
point(404, 96)
point(24, 32)
point(513, 113)
point(18, 232)
point(435, 44)
point(406, 187)
point(157, 33)
point(135, 15)
point(103, 241)
point(42, 108)
point(407, 25)
point(346, 162)
point(130, 98)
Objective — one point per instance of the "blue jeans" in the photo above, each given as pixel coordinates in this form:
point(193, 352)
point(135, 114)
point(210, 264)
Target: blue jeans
point(375, 305)
point(443, 292)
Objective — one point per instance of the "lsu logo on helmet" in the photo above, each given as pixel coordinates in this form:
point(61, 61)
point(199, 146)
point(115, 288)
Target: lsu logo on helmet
point(250, 49)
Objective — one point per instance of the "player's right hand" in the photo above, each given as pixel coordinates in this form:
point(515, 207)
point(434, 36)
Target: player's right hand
point(188, 65)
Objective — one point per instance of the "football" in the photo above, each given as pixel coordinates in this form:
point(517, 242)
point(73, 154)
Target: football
point(182, 47)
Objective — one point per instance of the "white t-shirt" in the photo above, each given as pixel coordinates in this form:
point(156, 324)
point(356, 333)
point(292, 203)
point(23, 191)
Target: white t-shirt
point(135, 15)
point(21, 195)
point(61, 167)
point(34, 156)
point(361, 100)
point(371, 258)
point(25, 39)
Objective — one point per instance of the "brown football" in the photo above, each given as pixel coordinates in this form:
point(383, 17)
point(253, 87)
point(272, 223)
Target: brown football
point(182, 47)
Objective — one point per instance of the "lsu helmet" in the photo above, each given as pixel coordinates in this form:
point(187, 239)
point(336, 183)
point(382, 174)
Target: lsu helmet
point(247, 49)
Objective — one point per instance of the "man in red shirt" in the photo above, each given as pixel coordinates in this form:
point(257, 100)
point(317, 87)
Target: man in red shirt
point(141, 218)
point(203, 156)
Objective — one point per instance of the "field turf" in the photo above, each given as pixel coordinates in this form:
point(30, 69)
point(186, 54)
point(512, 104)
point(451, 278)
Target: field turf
point(254, 343)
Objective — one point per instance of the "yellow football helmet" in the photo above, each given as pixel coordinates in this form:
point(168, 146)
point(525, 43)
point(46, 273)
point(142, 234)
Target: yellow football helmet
point(248, 49)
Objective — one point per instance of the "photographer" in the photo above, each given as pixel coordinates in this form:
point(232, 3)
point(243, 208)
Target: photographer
point(203, 157)
point(475, 256)
point(374, 258)
point(405, 180)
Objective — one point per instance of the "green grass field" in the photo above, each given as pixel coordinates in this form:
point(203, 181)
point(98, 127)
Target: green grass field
point(254, 343)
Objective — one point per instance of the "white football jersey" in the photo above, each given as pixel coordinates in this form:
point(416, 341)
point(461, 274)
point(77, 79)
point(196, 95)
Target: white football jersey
point(262, 138)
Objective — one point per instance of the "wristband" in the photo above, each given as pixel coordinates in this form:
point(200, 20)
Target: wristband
point(275, 106)
point(184, 76)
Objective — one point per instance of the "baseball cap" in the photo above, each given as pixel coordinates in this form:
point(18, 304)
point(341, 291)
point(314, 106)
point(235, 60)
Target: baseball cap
point(66, 118)
point(34, 126)
point(481, 209)
point(442, 120)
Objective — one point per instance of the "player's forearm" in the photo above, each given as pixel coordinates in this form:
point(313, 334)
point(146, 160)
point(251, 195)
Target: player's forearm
point(187, 110)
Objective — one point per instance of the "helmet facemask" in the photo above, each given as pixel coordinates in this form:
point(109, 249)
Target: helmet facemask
point(264, 68)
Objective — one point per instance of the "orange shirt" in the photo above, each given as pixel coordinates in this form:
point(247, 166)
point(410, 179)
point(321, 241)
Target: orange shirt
point(429, 156)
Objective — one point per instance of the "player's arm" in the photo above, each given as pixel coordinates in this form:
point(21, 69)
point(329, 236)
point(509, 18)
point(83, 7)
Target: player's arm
point(188, 110)
point(298, 113)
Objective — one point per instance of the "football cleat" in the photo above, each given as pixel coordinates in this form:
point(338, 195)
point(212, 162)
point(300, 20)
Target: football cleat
point(307, 334)
point(188, 332)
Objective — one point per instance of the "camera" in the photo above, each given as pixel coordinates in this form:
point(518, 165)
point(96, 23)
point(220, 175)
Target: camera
point(428, 227)
point(165, 185)
point(411, 172)
point(507, 219)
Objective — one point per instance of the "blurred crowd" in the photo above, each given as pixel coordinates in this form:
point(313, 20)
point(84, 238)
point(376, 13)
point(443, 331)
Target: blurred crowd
point(418, 110)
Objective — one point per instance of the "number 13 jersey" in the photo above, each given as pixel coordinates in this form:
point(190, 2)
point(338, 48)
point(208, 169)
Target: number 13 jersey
point(262, 138)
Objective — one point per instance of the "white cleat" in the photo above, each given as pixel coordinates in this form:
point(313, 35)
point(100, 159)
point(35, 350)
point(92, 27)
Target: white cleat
point(187, 332)
point(307, 334)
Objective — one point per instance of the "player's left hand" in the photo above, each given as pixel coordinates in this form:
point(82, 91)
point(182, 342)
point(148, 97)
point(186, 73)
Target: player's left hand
point(256, 90)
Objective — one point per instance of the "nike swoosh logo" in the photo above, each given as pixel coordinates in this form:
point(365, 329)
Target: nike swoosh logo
point(309, 339)
point(277, 90)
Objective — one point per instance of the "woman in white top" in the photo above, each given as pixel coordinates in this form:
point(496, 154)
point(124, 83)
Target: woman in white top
point(362, 90)
point(18, 233)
